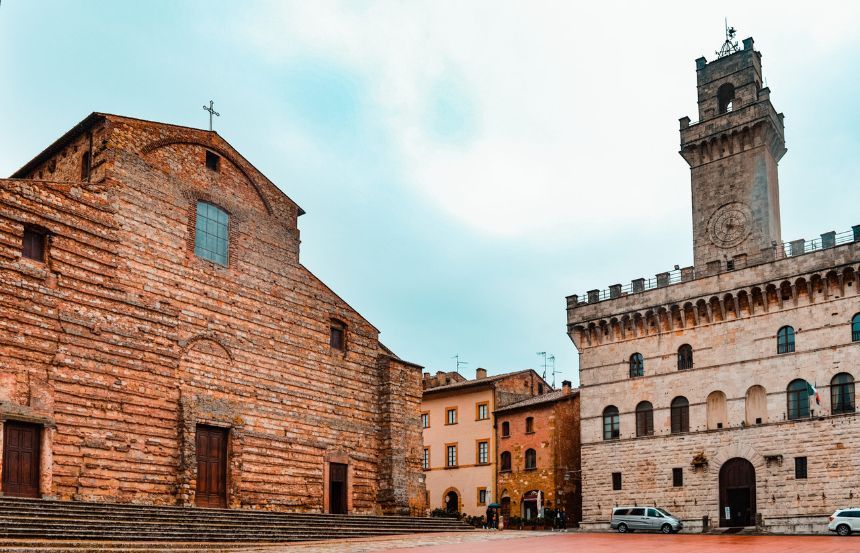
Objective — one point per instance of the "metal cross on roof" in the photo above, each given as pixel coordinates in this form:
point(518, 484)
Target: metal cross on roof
point(730, 46)
point(211, 110)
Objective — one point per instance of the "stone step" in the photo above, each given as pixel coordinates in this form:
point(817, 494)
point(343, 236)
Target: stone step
point(45, 520)
point(83, 517)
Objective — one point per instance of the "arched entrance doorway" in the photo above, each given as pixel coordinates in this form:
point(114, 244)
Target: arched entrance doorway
point(452, 502)
point(531, 505)
point(737, 493)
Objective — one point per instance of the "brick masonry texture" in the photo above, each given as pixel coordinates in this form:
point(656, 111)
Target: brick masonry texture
point(556, 442)
point(730, 318)
point(123, 341)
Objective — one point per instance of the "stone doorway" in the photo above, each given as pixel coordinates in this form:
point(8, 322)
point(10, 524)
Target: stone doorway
point(211, 466)
point(337, 483)
point(21, 459)
point(452, 502)
point(531, 505)
point(737, 493)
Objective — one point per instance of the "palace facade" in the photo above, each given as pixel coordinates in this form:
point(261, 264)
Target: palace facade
point(726, 389)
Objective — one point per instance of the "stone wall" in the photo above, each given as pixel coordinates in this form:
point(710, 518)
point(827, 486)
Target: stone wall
point(125, 340)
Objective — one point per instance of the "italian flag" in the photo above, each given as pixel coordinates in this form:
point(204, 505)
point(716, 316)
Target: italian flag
point(813, 392)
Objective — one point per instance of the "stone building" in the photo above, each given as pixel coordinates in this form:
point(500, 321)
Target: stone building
point(460, 449)
point(539, 465)
point(162, 343)
point(699, 386)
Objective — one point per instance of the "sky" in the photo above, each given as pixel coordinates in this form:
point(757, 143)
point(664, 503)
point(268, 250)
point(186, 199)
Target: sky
point(464, 165)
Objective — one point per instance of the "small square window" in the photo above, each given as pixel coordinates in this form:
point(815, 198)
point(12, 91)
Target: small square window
point(616, 480)
point(337, 336)
point(33, 244)
point(212, 160)
point(425, 420)
point(482, 496)
point(482, 412)
point(451, 416)
point(800, 467)
point(677, 477)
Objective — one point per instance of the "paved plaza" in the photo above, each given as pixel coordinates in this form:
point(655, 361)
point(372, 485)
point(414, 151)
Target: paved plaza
point(544, 542)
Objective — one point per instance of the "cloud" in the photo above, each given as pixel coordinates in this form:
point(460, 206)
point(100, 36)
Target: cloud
point(517, 118)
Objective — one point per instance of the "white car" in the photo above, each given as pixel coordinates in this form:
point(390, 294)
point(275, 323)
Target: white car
point(845, 521)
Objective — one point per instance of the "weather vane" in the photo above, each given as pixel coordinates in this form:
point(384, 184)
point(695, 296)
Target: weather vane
point(730, 46)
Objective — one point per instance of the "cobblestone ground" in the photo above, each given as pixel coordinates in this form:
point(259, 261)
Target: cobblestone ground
point(526, 542)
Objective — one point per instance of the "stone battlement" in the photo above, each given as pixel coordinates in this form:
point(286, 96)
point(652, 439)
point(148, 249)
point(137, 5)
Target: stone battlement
point(777, 252)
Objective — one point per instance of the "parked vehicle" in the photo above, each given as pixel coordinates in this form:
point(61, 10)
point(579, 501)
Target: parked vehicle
point(845, 521)
point(630, 519)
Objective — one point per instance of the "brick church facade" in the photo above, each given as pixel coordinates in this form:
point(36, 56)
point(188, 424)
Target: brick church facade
point(160, 341)
point(698, 387)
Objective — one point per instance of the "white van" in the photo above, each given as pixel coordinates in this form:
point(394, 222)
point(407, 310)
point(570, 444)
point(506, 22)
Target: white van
point(629, 519)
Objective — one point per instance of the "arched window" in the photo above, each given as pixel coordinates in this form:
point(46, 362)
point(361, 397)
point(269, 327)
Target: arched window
point(855, 328)
point(680, 415)
point(531, 459)
point(611, 425)
point(210, 241)
point(637, 365)
point(842, 394)
point(506, 429)
point(785, 340)
point(798, 399)
point(685, 357)
point(530, 425)
point(716, 410)
point(726, 97)
point(756, 405)
point(506, 461)
point(644, 419)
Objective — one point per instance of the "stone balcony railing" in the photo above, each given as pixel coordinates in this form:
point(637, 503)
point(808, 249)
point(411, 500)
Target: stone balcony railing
point(777, 251)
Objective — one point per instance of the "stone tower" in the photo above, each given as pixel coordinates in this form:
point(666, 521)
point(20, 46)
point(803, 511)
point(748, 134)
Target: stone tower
point(733, 152)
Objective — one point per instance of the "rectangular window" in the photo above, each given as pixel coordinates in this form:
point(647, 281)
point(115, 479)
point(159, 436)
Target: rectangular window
point(616, 480)
point(482, 496)
point(451, 415)
point(483, 453)
point(212, 160)
point(451, 460)
point(211, 236)
point(482, 411)
point(337, 336)
point(425, 460)
point(425, 420)
point(677, 477)
point(800, 467)
point(33, 245)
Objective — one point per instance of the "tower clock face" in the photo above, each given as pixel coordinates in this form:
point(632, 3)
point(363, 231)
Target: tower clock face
point(730, 225)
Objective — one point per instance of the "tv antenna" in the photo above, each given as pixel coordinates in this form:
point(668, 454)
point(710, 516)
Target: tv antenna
point(730, 46)
point(553, 372)
point(459, 363)
point(543, 354)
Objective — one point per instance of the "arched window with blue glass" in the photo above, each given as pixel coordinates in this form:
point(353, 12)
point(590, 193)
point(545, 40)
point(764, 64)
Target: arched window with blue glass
point(798, 399)
point(842, 394)
point(855, 328)
point(211, 240)
point(637, 365)
point(785, 340)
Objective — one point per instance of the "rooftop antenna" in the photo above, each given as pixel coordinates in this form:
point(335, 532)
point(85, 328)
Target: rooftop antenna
point(730, 46)
point(459, 363)
point(553, 372)
point(543, 354)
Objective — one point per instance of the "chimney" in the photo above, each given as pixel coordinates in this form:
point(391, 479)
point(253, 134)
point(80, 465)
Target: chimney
point(440, 378)
point(480, 373)
point(565, 386)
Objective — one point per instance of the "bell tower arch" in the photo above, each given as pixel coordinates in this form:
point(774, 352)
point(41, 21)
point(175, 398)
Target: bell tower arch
point(733, 152)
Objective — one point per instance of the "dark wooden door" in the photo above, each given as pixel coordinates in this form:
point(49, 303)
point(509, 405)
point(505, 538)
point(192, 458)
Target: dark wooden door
point(337, 485)
point(737, 493)
point(21, 459)
point(211, 467)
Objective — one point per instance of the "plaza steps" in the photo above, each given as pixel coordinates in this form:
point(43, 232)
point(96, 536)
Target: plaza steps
point(70, 522)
